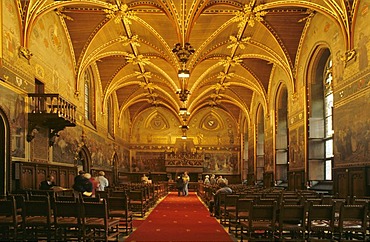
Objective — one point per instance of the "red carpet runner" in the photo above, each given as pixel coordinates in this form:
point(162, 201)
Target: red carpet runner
point(180, 219)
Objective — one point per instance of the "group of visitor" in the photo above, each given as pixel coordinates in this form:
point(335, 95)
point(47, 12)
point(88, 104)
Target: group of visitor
point(215, 181)
point(182, 184)
point(87, 185)
point(83, 183)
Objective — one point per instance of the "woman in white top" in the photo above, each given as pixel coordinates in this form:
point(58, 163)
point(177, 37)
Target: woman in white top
point(103, 181)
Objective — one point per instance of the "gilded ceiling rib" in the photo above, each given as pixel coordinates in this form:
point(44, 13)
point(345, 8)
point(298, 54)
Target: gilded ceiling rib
point(338, 12)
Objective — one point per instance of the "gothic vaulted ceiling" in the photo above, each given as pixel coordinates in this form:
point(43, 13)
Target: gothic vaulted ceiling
point(235, 46)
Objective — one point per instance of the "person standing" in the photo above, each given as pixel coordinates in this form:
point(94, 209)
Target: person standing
point(186, 180)
point(213, 179)
point(103, 181)
point(180, 185)
point(206, 180)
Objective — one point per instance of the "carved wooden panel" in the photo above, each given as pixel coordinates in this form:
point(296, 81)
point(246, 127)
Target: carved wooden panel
point(268, 179)
point(63, 178)
point(298, 180)
point(357, 183)
point(341, 183)
point(42, 172)
point(27, 177)
point(291, 186)
point(71, 177)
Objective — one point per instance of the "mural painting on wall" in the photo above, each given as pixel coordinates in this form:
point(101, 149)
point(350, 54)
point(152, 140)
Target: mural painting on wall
point(124, 160)
point(148, 161)
point(352, 132)
point(296, 148)
point(66, 145)
point(221, 163)
point(268, 155)
point(100, 150)
point(14, 105)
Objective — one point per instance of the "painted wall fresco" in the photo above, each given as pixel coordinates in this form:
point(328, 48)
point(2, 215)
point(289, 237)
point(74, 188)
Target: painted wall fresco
point(14, 106)
point(225, 163)
point(296, 148)
point(352, 132)
point(148, 161)
point(66, 145)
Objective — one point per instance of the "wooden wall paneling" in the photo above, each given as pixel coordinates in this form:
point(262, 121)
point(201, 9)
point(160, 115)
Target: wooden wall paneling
point(341, 182)
point(27, 180)
point(63, 178)
point(72, 173)
point(357, 182)
point(54, 171)
point(291, 182)
point(250, 179)
point(268, 179)
point(299, 180)
point(42, 172)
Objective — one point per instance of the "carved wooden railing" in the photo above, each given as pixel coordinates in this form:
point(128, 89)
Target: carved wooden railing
point(52, 104)
point(51, 111)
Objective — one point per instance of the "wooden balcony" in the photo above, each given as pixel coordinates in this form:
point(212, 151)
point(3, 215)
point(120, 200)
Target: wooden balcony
point(50, 111)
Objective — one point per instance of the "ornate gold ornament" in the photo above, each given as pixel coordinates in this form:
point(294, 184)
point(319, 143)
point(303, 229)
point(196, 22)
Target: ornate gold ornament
point(148, 86)
point(146, 74)
point(235, 42)
point(220, 86)
point(24, 52)
point(223, 75)
point(134, 40)
point(249, 15)
point(140, 59)
point(120, 12)
point(232, 61)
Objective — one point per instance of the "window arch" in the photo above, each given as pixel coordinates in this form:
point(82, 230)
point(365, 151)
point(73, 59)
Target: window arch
point(320, 119)
point(89, 98)
point(281, 142)
point(260, 147)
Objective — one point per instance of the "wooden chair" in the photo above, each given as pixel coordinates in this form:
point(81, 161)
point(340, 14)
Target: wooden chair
point(19, 200)
point(292, 222)
point(10, 221)
point(138, 202)
point(241, 214)
point(37, 222)
point(228, 206)
point(261, 225)
point(118, 207)
point(352, 222)
point(67, 220)
point(96, 222)
point(320, 224)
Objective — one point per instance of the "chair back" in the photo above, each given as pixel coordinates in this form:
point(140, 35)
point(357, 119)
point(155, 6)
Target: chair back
point(95, 209)
point(8, 208)
point(67, 209)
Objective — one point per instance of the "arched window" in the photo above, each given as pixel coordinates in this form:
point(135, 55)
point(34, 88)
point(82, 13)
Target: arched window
point(260, 141)
point(281, 142)
point(320, 123)
point(110, 114)
point(89, 97)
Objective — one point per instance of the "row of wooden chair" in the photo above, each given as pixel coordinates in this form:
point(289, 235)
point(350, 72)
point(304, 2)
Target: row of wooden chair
point(80, 219)
point(255, 220)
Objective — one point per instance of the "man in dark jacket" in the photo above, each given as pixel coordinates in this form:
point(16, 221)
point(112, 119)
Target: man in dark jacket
point(48, 183)
point(214, 205)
